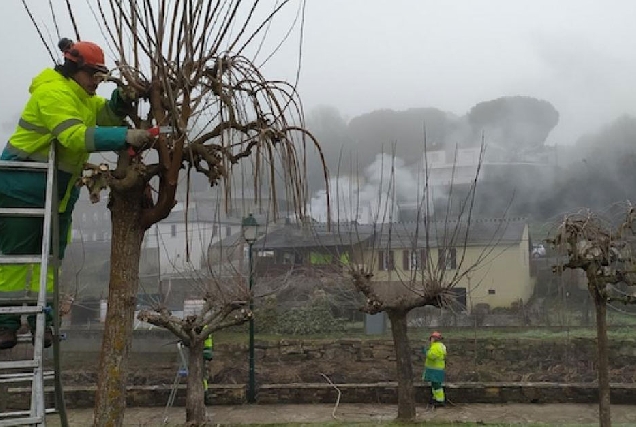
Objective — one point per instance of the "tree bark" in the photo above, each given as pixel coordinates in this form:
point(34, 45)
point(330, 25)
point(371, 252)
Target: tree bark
point(603, 363)
point(195, 400)
point(127, 236)
point(404, 365)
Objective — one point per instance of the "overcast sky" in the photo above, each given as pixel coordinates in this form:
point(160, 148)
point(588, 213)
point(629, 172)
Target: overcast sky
point(361, 55)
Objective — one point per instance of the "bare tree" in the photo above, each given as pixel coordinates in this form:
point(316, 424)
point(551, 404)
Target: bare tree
point(225, 305)
point(188, 63)
point(401, 266)
point(603, 250)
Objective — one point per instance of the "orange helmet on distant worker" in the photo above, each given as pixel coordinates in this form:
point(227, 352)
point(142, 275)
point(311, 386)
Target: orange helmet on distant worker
point(436, 335)
point(85, 54)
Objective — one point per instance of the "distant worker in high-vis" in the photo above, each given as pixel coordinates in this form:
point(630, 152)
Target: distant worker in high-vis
point(435, 368)
point(208, 347)
point(64, 110)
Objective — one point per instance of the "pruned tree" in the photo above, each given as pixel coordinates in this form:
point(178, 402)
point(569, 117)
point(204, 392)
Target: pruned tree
point(192, 65)
point(225, 305)
point(603, 249)
point(399, 266)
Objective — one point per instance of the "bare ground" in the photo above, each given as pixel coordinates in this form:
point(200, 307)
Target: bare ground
point(554, 414)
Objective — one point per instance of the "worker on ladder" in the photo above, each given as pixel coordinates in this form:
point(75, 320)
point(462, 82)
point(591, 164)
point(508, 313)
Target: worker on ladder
point(63, 110)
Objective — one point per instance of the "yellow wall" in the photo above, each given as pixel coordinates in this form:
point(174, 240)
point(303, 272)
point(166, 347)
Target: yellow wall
point(505, 269)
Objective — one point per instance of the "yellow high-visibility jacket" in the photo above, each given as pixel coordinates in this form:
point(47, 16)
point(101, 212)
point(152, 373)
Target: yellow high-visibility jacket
point(59, 111)
point(435, 363)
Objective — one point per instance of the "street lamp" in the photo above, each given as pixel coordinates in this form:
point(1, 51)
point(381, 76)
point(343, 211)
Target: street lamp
point(249, 228)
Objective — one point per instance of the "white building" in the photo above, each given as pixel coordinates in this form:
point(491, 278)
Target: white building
point(182, 241)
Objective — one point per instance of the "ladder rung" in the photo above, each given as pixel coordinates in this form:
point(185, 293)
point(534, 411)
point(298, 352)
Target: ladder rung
point(26, 309)
point(24, 377)
point(10, 164)
point(33, 300)
point(17, 212)
point(22, 414)
point(21, 259)
point(19, 364)
point(21, 421)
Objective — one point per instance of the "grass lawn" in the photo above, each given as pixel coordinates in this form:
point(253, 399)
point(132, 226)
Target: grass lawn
point(621, 333)
point(427, 424)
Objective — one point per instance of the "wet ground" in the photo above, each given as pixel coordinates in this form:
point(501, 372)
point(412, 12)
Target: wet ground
point(554, 414)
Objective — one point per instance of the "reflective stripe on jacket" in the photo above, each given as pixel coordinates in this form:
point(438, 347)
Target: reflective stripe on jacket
point(59, 110)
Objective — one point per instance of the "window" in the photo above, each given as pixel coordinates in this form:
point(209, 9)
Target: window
point(413, 260)
point(459, 295)
point(491, 292)
point(173, 230)
point(386, 260)
point(319, 258)
point(292, 258)
point(447, 258)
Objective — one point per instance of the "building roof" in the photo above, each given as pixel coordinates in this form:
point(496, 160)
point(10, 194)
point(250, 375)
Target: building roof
point(479, 232)
point(397, 235)
point(316, 235)
point(209, 215)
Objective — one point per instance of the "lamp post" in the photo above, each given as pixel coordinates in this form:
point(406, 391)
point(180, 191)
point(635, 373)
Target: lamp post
point(249, 228)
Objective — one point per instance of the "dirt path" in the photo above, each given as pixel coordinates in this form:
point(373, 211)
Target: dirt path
point(556, 414)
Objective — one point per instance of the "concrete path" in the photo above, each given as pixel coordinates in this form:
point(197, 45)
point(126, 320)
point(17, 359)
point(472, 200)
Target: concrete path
point(556, 414)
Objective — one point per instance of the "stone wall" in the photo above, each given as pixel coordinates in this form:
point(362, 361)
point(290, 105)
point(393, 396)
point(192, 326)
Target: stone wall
point(287, 361)
point(296, 371)
point(355, 361)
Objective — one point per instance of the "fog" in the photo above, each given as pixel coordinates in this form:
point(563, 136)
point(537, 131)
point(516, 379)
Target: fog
point(436, 60)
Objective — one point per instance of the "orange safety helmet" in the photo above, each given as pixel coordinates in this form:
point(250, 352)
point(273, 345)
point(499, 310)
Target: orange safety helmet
point(85, 54)
point(436, 335)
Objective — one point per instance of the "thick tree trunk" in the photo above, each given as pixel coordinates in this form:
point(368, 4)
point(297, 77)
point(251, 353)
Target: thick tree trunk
point(404, 365)
point(195, 400)
point(127, 236)
point(603, 363)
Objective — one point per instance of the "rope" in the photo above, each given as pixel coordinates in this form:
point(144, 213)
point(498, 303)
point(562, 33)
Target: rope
point(70, 13)
point(57, 29)
point(38, 30)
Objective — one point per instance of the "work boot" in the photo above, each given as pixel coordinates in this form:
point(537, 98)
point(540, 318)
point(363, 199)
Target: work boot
point(48, 337)
point(8, 338)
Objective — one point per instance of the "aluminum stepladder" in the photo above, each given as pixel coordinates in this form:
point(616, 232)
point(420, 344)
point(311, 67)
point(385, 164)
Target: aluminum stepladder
point(32, 370)
point(182, 372)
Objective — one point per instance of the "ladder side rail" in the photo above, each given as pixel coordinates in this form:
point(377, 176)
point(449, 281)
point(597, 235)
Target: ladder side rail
point(37, 390)
point(55, 259)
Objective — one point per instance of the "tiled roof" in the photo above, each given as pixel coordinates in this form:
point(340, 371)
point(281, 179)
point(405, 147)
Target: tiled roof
point(397, 235)
point(452, 233)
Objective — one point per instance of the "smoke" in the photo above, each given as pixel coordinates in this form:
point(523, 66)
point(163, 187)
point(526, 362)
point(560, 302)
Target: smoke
point(374, 196)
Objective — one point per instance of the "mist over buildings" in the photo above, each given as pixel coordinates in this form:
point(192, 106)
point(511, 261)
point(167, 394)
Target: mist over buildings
point(520, 173)
point(548, 84)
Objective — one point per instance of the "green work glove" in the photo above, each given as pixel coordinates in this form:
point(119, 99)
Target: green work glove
point(122, 99)
point(127, 95)
point(424, 350)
